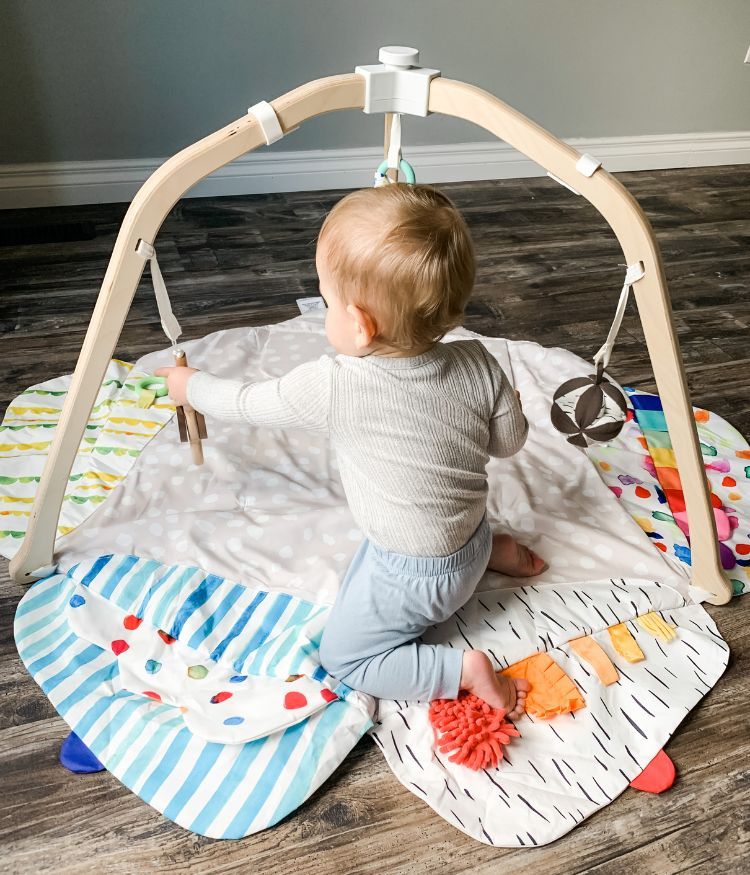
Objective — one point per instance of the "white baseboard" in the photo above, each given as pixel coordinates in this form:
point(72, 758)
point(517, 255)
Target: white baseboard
point(86, 182)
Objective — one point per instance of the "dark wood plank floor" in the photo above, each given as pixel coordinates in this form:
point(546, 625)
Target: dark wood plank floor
point(548, 271)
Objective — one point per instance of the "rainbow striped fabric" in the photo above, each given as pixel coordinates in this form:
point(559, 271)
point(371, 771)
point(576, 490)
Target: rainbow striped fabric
point(640, 468)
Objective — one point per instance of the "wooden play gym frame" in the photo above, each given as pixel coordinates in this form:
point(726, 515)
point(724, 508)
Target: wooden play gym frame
point(397, 86)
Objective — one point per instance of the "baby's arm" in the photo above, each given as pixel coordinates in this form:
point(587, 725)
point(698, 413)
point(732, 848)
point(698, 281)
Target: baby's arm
point(509, 427)
point(299, 399)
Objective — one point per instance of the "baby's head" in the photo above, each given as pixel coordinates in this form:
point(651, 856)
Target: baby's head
point(396, 267)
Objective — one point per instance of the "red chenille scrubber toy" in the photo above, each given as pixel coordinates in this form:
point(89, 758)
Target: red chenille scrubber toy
point(474, 732)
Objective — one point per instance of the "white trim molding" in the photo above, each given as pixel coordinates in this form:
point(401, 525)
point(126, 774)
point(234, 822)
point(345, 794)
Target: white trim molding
point(86, 182)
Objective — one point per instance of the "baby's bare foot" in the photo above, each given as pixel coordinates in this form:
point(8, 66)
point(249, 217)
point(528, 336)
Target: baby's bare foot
point(513, 559)
point(479, 677)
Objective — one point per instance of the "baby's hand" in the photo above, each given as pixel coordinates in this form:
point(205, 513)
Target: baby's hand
point(177, 380)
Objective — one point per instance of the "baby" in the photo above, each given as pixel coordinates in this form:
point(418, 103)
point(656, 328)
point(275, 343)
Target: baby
point(413, 422)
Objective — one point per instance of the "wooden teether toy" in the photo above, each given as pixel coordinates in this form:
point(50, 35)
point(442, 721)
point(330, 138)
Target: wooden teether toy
point(191, 424)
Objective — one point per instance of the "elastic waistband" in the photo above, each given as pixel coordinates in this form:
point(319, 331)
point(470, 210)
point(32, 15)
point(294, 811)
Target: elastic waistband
point(434, 566)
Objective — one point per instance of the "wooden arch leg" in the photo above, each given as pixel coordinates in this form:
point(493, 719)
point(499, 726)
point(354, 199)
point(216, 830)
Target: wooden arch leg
point(635, 235)
point(142, 222)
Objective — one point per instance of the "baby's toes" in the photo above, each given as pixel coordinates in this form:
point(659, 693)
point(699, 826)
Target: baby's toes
point(516, 712)
point(510, 693)
point(521, 688)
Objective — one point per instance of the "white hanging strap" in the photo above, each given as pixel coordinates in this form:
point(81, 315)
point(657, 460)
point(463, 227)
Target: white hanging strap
point(268, 121)
point(632, 275)
point(394, 147)
point(168, 321)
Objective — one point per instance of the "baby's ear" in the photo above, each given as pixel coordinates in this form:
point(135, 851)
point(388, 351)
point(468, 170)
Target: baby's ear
point(365, 329)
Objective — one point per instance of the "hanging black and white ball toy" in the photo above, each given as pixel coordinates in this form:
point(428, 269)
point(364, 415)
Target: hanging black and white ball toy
point(589, 410)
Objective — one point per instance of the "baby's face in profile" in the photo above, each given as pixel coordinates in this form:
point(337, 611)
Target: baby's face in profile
point(346, 329)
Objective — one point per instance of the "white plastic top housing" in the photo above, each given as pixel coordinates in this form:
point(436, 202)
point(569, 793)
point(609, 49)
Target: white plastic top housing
point(397, 84)
point(399, 56)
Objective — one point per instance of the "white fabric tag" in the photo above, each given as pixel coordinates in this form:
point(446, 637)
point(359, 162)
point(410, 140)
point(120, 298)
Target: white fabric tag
point(307, 304)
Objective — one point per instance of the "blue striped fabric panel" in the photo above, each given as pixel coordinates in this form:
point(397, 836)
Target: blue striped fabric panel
point(253, 630)
point(217, 790)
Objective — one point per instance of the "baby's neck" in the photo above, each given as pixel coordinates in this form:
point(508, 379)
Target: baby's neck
point(390, 352)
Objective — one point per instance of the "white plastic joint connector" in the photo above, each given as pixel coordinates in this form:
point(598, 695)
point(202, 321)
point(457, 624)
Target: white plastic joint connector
point(145, 250)
point(268, 121)
point(587, 164)
point(397, 84)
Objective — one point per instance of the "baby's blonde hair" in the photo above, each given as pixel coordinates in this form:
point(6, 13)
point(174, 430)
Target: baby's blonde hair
point(404, 254)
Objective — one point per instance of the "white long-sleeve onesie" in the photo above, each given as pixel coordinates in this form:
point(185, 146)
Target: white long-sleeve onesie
point(412, 435)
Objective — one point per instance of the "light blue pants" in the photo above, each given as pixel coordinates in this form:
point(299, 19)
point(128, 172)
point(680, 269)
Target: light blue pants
point(386, 601)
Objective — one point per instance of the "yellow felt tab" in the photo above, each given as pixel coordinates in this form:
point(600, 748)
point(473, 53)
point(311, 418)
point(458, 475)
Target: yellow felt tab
point(592, 653)
point(146, 398)
point(624, 643)
point(552, 691)
point(654, 625)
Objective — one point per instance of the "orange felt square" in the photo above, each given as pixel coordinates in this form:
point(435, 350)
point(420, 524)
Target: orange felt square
point(552, 691)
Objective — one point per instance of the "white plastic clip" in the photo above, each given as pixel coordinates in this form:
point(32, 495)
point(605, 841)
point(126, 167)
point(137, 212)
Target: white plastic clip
point(634, 273)
point(44, 571)
point(397, 84)
point(587, 164)
point(145, 250)
point(563, 183)
point(268, 121)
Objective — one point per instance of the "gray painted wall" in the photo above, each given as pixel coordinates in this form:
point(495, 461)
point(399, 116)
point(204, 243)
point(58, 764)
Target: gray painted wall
point(113, 79)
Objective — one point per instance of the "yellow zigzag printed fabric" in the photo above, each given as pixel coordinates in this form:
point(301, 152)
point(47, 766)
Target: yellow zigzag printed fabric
point(116, 433)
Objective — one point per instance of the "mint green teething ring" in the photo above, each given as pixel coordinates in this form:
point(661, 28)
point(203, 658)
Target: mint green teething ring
point(157, 385)
point(404, 167)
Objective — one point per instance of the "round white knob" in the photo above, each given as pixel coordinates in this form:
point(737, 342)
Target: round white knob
point(399, 56)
